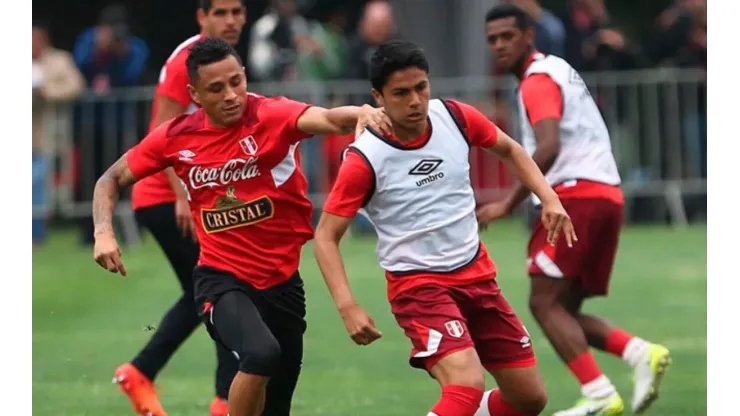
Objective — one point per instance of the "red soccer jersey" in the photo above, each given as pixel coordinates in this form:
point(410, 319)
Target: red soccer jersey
point(173, 83)
point(246, 190)
point(354, 187)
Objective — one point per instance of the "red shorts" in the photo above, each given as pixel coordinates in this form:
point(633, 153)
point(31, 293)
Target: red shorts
point(441, 320)
point(597, 224)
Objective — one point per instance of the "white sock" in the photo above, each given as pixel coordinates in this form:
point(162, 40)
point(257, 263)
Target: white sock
point(483, 409)
point(635, 351)
point(599, 388)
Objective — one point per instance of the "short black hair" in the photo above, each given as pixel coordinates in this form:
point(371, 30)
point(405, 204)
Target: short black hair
point(503, 11)
point(207, 4)
point(392, 56)
point(41, 24)
point(206, 52)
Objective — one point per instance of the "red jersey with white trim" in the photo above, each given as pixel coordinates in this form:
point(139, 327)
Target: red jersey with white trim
point(173, 84)
point(585, 167)
point(246, 190)
point(355, 185)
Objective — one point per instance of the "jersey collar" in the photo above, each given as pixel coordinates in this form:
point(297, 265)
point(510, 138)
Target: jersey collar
point(535, 55)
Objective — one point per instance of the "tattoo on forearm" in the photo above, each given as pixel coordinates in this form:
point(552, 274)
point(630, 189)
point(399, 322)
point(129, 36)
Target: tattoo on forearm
point(105, 198)
point(105, 195)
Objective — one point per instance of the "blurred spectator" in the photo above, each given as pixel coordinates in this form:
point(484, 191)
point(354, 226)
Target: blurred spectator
point(376, 26)
point(681, 38)
point(323, 53)
point(322, 56)
point(549, 29)
point(55, 79)
point(108, 56)
point(275, 40)
point(594, 44)
point(608, 50)
point(681, 41)
point(585, 18)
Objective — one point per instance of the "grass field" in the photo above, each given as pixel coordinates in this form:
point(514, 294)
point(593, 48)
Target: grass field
point(86, 322)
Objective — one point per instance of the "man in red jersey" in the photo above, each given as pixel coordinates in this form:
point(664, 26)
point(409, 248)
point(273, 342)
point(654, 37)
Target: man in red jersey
point(414, 186)
point(236, 158)
point(161, 207)
point(568, 139)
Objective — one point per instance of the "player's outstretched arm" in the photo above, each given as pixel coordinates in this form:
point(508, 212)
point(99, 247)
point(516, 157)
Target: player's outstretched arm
point(105, 197)
point(107, 190)
point(554, 216)
point(517, 159)
point(144, 159)
point(547, 134)
point(342, 120)
point(329, 233)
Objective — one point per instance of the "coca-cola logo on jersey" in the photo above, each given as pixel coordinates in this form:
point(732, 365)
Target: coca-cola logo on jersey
point(234, 170)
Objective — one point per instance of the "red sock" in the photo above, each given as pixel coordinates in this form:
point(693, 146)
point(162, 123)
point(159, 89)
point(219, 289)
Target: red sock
point(498, 407)
point(617, 341)
point(585, 368)
point(458, 401)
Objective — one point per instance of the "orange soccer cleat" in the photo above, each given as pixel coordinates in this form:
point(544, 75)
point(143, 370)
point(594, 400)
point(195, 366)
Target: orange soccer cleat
point(219, 407)
point(139, 389)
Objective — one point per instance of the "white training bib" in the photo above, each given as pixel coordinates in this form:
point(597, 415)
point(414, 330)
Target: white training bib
point(423, 206)
point(585, 145)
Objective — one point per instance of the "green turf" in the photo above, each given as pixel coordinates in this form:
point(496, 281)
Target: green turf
point(86, 322)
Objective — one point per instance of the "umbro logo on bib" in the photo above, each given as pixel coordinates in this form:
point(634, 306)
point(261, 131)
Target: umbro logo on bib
point(426, 167)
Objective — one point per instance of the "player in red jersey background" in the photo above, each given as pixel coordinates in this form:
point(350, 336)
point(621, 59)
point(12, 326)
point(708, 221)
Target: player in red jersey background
point(415, 187)
point(567, 136)
point(161, 207)
point(236, 157)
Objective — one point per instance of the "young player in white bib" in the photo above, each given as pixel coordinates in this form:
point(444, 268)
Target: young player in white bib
point(414, 186)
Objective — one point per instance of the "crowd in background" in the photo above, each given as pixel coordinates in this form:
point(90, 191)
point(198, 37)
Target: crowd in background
point(284, 45)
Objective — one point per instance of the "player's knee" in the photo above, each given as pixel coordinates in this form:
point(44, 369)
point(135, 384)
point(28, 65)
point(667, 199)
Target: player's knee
point(476, 380)
point(534, 402)
point(529, 397)
point(260, 357)
point(537, 306)
point(540, 305)
point(460, 369)
point(530, 401)
point(468, 378)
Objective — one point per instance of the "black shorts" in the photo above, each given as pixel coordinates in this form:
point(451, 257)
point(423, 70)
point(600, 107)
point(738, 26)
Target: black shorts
point(181, 252)
point(253, 323)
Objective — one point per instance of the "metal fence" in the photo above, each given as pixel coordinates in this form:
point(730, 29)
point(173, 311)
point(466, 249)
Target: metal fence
point(657, 120)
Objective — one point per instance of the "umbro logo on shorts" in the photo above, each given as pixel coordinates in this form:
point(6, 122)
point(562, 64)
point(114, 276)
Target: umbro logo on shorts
point(525, 341)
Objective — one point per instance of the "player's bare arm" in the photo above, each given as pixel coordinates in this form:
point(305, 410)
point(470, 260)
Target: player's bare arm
point(168, 108)
point(106, 192)
point(343, 120)
point(105, 197)
point(547, 134)
point(554, 216)
point(329, 233)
